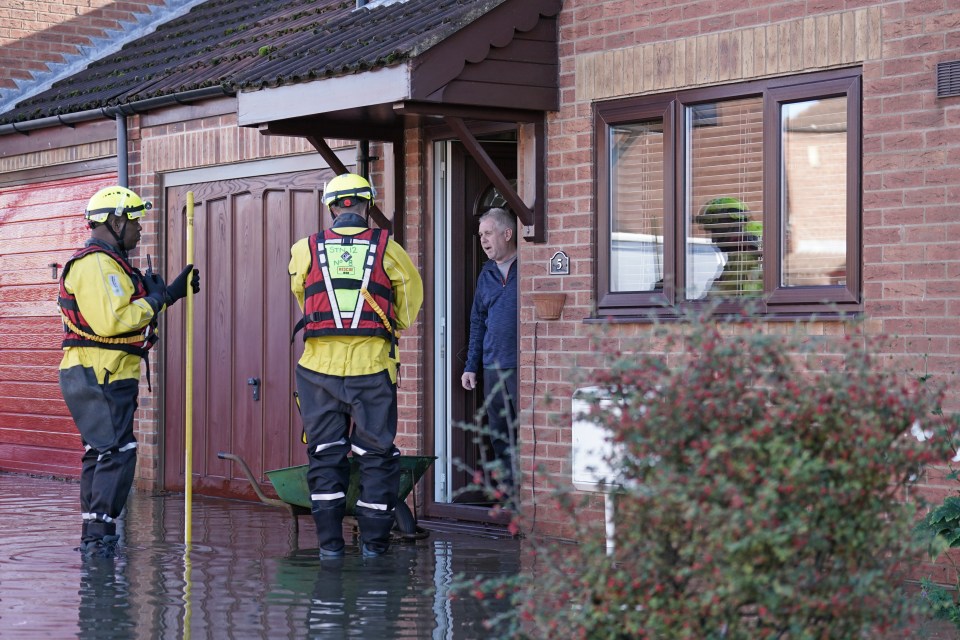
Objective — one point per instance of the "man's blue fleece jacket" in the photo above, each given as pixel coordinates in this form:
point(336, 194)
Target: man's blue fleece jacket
point(493, 320)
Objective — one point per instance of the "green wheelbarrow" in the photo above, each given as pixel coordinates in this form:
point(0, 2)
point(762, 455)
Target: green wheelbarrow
point(290, 484)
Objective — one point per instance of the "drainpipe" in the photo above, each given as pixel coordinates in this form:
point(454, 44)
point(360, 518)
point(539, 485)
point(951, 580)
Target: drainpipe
point(122, 176)
point(363, 158)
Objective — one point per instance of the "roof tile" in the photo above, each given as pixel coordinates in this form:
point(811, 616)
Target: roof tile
point(242, 45)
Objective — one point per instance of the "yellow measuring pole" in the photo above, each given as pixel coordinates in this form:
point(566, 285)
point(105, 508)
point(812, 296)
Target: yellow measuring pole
point(188, 388)
point(188, 433)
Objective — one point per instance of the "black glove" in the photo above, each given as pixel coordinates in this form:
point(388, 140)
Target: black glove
point(153, 284)
point(156, 289)
point(195, 281)
point(178, 288)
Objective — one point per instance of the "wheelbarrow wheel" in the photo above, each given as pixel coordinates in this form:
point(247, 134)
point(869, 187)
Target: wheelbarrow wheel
point(406, 523)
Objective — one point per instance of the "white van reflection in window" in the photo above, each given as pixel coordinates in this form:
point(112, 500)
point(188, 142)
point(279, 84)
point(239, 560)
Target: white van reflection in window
point(636, 264)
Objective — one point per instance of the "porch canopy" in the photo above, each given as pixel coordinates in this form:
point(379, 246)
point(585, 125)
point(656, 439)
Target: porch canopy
point(420, 63)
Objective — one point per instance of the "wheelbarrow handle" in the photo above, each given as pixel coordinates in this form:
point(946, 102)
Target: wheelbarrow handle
point(253, 481)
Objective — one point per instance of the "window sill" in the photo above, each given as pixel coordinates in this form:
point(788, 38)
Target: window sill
point(672, 316)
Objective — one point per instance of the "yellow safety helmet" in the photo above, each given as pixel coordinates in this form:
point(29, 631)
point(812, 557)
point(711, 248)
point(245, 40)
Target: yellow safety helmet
point(118, 201)
point(342, 189)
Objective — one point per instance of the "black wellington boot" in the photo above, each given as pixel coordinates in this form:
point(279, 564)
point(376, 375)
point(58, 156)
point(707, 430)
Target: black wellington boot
point(329, 523)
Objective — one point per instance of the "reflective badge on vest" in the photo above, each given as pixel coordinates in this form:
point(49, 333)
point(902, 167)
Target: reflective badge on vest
point(350, 262)
point(347, 289)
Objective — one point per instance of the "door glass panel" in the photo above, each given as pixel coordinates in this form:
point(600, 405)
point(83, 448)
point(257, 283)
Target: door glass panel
point(493, 199)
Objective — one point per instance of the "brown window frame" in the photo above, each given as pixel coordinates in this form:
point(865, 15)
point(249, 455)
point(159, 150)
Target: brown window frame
point(794, 301)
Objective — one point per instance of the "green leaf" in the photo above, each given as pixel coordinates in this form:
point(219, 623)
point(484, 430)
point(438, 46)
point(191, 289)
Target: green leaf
point(952, 538)
point(949, 511)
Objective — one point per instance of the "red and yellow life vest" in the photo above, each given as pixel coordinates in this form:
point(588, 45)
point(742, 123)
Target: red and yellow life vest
point(78, 333)
point(347, 290)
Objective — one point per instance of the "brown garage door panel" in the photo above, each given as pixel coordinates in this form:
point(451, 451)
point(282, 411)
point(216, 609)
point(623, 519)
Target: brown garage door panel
point(32, 358)
point(34, 392)
point(29, 201)
point(280, 313)
point(28, 300)
point(45, 235)
point(37, 333)
point(228, 487)
point(40, 224)
point(24, 429)
point(18, 403)
point(40, 461)
point(243, 231)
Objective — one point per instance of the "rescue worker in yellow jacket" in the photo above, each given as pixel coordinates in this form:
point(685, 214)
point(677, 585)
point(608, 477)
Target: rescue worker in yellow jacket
point(109, 311)
point(358, 289)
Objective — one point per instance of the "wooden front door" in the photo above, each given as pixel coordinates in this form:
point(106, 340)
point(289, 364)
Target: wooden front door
point(243, 359)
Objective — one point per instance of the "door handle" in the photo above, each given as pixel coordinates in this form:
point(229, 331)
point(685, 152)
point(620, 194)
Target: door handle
point(255, 383)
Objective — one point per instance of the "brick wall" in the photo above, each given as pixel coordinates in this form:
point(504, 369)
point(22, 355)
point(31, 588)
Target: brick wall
point(35, 34)
point(911, 185)
point(410, 393)
point(911, 223)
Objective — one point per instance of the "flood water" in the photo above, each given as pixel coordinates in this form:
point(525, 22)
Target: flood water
point(245, 575)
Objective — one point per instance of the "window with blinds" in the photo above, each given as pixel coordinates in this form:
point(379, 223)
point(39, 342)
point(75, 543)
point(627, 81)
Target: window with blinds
point(739, 194)
point(724, 197)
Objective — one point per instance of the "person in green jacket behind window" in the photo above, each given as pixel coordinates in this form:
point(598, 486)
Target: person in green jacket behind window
point(728, 223)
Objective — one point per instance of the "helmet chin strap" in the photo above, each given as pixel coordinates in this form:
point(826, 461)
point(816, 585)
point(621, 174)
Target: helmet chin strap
point(119, 237)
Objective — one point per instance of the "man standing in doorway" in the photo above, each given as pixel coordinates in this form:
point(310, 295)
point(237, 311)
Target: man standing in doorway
point(109, 311)
point(493, 339)
point(357, 289)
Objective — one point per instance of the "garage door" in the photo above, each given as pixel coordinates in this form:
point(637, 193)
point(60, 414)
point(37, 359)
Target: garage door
point(40, 224)
point(243, 359)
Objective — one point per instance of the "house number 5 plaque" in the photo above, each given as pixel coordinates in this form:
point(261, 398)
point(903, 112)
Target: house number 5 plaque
point(559, 264)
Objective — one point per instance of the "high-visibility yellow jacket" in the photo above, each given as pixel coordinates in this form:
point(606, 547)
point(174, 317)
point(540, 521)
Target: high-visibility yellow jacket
point(104, 293)
point(344, 356)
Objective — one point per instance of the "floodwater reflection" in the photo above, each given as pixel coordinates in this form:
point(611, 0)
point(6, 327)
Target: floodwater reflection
point(245, 575)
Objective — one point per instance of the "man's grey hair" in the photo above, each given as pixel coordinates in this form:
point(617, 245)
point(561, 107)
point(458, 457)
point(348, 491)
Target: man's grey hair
point(504, 220)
